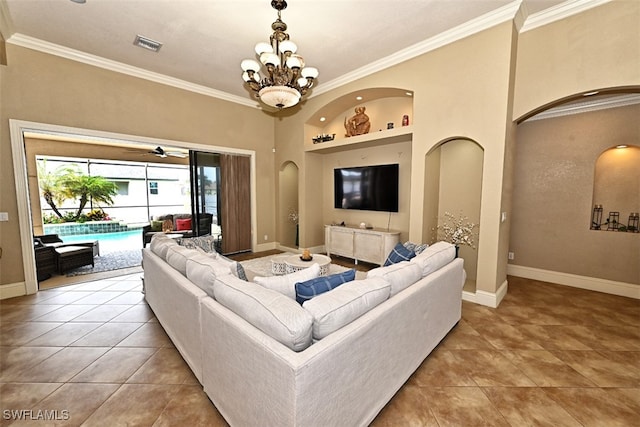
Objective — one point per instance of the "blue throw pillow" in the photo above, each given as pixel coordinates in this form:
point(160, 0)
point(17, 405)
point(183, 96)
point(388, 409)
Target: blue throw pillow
point(398, 254)
point(309, 289)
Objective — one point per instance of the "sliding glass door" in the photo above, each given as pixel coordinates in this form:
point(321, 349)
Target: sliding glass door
point(220, 199)
point(205, 194)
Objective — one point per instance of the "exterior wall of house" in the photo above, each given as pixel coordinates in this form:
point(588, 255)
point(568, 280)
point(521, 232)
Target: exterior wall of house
point(47, 89)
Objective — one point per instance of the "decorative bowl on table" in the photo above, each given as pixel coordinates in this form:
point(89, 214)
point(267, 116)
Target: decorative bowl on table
point(306, 259)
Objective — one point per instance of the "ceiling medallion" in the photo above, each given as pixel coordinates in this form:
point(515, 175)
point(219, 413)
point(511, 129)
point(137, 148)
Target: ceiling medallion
point(286, 79)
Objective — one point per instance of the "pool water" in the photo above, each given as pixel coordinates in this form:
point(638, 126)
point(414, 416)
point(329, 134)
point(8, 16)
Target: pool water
point(111, 242)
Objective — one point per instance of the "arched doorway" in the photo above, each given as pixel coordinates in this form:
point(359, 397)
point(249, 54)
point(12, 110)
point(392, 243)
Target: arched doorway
point(288, 206)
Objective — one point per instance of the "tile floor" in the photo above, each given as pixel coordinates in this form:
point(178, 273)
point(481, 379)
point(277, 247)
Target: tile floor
point(93, 354)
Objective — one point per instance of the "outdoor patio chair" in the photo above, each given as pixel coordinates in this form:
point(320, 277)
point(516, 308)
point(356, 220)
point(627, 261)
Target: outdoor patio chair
point(70, 257)
point(55, 241)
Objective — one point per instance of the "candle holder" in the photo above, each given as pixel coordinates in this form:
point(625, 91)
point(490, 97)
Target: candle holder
point(632, 225)
point(613, 222)
point(596, 217)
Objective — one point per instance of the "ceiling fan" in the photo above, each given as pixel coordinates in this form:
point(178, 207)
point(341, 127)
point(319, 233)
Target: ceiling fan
point(160, 152)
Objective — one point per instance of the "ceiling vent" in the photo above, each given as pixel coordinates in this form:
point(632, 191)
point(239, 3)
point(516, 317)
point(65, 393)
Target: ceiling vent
point(147, 43)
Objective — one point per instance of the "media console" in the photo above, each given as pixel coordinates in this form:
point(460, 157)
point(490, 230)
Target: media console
point(361, 244)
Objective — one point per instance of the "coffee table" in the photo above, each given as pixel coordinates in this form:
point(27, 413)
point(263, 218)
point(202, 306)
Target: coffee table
point(286, 264)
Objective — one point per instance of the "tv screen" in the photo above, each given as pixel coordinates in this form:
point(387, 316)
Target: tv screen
point(371, 188)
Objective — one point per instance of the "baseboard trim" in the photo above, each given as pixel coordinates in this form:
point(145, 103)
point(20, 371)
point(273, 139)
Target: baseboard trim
point(12, 290)
point(622, 289)
point(265, 247)
point(488, 299)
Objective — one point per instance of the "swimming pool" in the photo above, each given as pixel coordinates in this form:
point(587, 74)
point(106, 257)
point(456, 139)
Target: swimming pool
point(111, 242)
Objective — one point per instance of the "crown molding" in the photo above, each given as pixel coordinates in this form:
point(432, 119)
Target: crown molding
point(560, 11)
point(6, 24)
point(119, 67)
point(587, 106)
point(467, 29)
point(515, 11)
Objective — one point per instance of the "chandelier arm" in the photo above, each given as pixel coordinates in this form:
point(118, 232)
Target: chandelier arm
point(295, 73)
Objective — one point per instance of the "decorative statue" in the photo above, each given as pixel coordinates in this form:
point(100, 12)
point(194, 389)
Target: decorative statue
point(358, 124)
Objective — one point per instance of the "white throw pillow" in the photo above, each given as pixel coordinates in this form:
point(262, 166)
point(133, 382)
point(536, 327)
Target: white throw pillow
point(177, 257)
point(286, 284)
point(400, 276)
point(274, 314)
point(334, 309)
point(435, 257)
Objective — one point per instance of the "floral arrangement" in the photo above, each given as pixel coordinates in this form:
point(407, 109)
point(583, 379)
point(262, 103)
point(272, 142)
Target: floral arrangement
point(458, 231)
point(293, 216)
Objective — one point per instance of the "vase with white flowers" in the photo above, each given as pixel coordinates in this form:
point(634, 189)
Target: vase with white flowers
point(294, 218)
point(458, 231)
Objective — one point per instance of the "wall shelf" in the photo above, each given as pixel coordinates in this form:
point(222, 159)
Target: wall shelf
point(372, 139)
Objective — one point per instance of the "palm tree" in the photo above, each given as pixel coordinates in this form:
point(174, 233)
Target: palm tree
point(48, 183)
point(69, 183)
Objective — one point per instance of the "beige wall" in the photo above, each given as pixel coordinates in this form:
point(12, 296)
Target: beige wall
point(460, 91)
point(47, 89)
point(397, 221)
point(553, 196)
point(596, 49)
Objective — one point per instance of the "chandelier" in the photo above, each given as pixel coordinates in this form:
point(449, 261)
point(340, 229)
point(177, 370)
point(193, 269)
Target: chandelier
point(286, 79)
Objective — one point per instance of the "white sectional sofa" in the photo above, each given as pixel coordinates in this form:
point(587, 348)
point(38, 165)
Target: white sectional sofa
point(265, 360)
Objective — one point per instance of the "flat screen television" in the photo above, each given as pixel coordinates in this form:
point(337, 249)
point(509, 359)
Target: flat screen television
point(371, 188)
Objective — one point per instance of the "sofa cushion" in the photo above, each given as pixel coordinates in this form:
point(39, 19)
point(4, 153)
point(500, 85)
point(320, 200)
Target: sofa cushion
point(234, 266)
point(206, 243)
point(399, 254)
point(183, 224)
point(286, 284)
point(160, 244)
point(273, 313)
point(202, 271)
point(162, 218)
point(156, 225)
point(311, 288)
point(435, 257)
point(177, 257)
point(400, 276)
point(333, 310)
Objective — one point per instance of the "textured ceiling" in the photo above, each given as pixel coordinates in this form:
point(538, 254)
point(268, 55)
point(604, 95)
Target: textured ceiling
point(205, 40)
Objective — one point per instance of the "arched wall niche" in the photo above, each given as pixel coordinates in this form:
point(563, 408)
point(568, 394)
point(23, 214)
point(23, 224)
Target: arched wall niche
point(383, 105)
point(453, 183)
point(288, 205)
point(616, 184)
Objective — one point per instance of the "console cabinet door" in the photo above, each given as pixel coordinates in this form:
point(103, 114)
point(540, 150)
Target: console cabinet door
point(368, 247)
point(340, 241)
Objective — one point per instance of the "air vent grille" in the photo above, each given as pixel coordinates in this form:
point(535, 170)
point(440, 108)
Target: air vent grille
point(147, 43)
